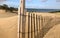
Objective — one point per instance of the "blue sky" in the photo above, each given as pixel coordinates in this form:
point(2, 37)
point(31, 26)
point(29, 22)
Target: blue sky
point(13, 3)
point(46, 4)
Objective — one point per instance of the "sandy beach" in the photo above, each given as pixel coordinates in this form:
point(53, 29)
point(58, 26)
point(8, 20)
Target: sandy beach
point(8, 24)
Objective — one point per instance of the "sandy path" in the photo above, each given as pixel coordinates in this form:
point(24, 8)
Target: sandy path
point(8, 25)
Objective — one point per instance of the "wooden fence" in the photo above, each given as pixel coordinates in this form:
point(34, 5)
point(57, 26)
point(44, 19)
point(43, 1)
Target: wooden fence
point(34, 26)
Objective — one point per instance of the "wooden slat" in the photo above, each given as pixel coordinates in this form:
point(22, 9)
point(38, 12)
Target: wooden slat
point(20, 25)
point(23, 25)
point(39, 26)
point(34, 24)
point(26, 26)
point(29, 26)
point(35, 27)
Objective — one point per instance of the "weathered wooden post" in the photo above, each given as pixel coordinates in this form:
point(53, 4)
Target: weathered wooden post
point(22, 6)
point(22, 19)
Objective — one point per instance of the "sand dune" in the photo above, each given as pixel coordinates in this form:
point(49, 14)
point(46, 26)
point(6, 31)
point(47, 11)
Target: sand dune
point(53, 32)
point(7, 15)
point(8, 25)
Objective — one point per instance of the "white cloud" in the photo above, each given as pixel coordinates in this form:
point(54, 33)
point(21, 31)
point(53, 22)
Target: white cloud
point(2, 0)
point(43, 0)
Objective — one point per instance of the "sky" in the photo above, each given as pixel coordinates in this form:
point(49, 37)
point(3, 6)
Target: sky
point(11, 3)
point(44, 4)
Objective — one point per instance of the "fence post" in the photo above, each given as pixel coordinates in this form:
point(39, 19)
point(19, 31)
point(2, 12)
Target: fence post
point(29, 25)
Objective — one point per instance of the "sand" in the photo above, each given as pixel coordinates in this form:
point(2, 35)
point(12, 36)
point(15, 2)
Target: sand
point(53, 32)
point(8, 25)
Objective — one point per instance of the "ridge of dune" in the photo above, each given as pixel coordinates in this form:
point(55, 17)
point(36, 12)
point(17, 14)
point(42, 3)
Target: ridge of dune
point(5, 15)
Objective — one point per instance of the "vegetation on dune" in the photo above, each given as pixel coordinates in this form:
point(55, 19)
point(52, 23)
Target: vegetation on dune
point(6, 8)
point(54, 12)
